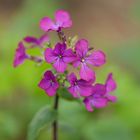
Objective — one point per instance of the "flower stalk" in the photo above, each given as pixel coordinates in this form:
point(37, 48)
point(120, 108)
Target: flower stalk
point(55, 123)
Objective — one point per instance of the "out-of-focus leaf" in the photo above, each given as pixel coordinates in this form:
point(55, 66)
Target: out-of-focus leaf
point(44, 117)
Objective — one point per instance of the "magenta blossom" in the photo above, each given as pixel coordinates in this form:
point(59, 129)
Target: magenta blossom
point(110, 87)
point(100, 94)
point(49, 83)
point(84, 57)
point(62, 20)
point(20, 55)
point(79, 87)
point(59, 56)
point(37, 41)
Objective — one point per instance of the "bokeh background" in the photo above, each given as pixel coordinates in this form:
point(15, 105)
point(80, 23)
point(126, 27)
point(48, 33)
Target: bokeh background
point(112, 25)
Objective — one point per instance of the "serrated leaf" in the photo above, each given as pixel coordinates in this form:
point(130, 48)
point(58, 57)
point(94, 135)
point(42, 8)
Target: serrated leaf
point(44, 117)
point(63, 92)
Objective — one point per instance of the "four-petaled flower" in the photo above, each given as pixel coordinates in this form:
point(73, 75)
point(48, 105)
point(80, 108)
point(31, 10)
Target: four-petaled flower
point(37, 41)
point(59, 56)
point(49, 83)
point(79, 87)
point(96, 58)
point(62, 20)
point(100, 94)
point(20, 55)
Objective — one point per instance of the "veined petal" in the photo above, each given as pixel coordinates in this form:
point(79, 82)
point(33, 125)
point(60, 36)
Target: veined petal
point(49, 56)
point(110, 83)
point(86, 73)
point(69, 56)
point(63, 19)
point(74, 91)
point(60, 65)
point(81, 48)
point(47, 24)
point(97, 58)
point(59, 49)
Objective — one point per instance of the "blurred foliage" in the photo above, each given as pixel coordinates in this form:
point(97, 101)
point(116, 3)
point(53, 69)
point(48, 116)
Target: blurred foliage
point(20, 98)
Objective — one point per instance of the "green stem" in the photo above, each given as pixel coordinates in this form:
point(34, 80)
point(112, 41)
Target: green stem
point(55, 123)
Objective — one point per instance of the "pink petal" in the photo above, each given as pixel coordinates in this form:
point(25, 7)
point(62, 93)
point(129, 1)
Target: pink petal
point(59, 49)
point(69, 56)
point(43, 39)
point(50, 91)
point(30, 39)
point(99, 89)
point(81, 48)
point(20, 55)
point(97, 58)
point(88, 105)
point(99, 102)
point(63, 19)
point(86, 73)
point(85, 91)
point(44, 84)
point(76, 63)
point(110, 83)
point(111, 98)
point(72, 78)
point(74, 91)
point(60, 65)
point(47, 24)
point(49, 56)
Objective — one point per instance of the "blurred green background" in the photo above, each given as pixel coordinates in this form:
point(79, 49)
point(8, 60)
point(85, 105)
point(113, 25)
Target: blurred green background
point(111, 25)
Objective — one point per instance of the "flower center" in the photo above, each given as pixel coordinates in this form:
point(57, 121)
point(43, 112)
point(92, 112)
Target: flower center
point(82, 60)
point(75, 83)
point(60, 56)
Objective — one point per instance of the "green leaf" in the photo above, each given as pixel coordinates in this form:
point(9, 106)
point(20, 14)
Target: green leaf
point(44, 117)
point(63, 92)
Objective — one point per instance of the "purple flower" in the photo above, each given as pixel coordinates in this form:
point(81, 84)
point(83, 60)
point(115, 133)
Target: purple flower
point(20, 55)
point(49, 83)
point(100, 94)
point(110, 87)
point(62, 20)
point(37, 41)
point(79, 87)
point(96, 58)
point(59, 56)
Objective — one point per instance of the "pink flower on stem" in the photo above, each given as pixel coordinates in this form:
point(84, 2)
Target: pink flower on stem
point(110, 87)
point(59, 56)
point(37, 41)
point(79, 87)
point(100, 95)
point(20, 55)
point(62, 20)
point(49, 83)
point(84, 58)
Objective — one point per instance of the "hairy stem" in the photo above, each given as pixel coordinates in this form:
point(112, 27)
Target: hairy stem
point(55, 123)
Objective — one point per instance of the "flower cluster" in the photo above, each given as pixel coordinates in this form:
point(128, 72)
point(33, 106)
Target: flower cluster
point(66, 59)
